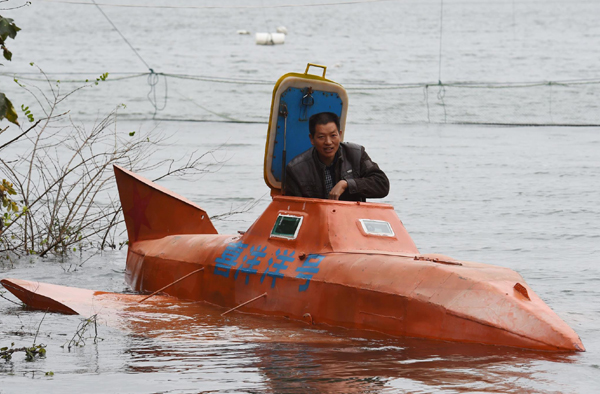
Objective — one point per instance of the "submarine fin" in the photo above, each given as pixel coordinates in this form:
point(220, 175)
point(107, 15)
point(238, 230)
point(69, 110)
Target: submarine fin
point(76, 301)
point(32, 295)
point(152, 211)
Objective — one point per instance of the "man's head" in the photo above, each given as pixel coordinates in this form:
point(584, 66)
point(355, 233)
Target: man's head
point(324, 135)
point(322, 118)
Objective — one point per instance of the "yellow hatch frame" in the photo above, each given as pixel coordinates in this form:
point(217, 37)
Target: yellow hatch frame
point(297, 80)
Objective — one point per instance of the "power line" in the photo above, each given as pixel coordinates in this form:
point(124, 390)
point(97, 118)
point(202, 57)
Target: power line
point(266, 121)
point(122, 36)
point(206, 7)
point(441, 91)
point(326, 4)
point(152, 77)
point(348, 86)
point(490, 86)
point(441, 35)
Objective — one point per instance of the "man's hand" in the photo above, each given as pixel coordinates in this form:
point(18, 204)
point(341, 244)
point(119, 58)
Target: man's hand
point(338, 190)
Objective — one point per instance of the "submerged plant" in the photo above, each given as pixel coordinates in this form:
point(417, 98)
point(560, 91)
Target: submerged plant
point(78, 339)
point(31, 352)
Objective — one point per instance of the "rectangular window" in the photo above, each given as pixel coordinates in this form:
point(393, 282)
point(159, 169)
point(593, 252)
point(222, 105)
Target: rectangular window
point(286, 226)
point(377, 227)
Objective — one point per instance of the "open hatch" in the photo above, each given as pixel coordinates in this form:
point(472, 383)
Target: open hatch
point(296, 97)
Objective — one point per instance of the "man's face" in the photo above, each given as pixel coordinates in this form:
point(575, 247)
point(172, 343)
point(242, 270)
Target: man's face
point(326, 141)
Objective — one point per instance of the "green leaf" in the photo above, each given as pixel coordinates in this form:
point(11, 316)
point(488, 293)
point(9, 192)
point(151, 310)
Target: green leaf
point(132, 134)
point(7, 110)
point(7, 54)
point(8, 28)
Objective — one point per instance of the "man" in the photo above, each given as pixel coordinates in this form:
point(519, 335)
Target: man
point(333, 170)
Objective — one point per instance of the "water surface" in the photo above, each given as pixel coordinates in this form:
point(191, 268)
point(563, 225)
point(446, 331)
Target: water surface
point(519, 197)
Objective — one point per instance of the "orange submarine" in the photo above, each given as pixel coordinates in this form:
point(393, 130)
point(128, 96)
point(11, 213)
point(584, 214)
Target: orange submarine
point(336, 263)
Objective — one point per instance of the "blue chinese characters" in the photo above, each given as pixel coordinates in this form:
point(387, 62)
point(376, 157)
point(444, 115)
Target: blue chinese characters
point(277, 267)
point(229, 258)
point(308, 269)
point(249, 264)
point(247, 261)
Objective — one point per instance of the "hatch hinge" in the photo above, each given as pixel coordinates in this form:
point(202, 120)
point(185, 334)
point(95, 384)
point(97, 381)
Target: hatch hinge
point(307, 101)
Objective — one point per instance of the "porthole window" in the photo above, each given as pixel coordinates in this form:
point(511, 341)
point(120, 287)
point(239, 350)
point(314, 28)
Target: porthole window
point(287, 226)
point(377, 227)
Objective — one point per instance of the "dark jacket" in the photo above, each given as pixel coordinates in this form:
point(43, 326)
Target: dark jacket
point(305, 177)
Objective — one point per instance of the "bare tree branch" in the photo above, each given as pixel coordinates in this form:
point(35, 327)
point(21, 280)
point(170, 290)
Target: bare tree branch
point(69, 200)
point(21, 135)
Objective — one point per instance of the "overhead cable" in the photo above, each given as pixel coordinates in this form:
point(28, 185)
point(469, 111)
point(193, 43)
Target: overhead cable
point(349, 86)
point(205, 7)
point(152, 77)
point(122, 36)
point(324, 4)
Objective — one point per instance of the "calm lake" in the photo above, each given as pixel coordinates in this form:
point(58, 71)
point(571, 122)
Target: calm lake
point(522, 197)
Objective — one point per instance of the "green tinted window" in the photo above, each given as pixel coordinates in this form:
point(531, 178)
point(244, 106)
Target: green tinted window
point(286, 226)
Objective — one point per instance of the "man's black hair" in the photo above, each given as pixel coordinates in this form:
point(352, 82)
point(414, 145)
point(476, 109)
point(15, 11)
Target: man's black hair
point(322, 118)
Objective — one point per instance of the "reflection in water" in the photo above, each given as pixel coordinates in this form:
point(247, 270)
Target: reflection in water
point(286, 356)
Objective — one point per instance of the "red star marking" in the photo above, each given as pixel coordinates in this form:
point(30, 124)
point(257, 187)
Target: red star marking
point(138, 212)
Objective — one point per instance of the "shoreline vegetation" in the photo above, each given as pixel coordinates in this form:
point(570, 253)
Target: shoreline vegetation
point(58, 191)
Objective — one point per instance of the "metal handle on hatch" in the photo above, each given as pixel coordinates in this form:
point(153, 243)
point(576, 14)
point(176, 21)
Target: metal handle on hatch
point(316, 65)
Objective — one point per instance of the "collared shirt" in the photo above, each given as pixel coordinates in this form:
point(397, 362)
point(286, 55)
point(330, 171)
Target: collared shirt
point(329, 172)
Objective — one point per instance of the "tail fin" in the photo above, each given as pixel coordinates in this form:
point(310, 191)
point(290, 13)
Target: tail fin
point(73, 301)
point(152, 211)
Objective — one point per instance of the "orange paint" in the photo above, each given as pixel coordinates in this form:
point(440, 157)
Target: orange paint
point(351, 278)
point(333, 271)
point(333, 263)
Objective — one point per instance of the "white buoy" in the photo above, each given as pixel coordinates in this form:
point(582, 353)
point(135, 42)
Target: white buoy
point(269, 38)
point(282, 29)
point(243, 32)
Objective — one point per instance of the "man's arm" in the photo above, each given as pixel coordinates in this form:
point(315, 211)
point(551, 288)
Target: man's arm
point(371, 181)
point(339, 189)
